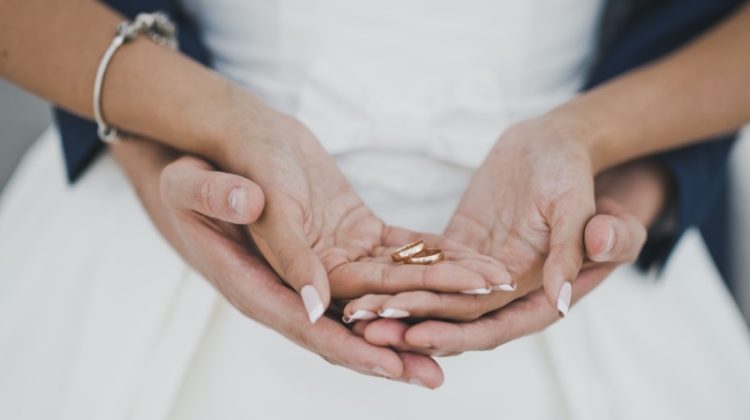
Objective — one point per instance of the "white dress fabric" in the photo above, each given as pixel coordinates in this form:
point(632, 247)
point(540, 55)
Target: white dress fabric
point(100, 319)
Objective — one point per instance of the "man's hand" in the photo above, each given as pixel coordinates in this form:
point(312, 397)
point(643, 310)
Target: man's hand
point(199, 218)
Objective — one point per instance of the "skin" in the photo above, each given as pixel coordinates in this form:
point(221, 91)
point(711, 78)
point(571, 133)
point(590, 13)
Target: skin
point(203, 229)
point(628, 198)
point(657, 107)
point(206, 231)
point(315, 230)
point(229, 125)
point(528, 203)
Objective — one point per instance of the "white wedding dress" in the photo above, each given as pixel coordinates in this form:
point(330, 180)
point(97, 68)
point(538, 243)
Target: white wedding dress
point(100, 319)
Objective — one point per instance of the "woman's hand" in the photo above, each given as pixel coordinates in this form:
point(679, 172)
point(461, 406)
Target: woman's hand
point(526, 206)
point(318, 235)
point(628, 198)
point(199, 213)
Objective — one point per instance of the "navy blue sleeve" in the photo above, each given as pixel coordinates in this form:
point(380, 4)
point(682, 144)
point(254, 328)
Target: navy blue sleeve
point(697, 171)
point(698, 175)
point(79, 139)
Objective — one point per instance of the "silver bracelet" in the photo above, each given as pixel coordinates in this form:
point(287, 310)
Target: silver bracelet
point(159, 29)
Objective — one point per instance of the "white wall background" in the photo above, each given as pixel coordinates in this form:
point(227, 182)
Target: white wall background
point(22, 119)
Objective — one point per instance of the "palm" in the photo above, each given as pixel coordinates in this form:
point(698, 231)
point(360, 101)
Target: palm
point(515, 199)
point(315, 226)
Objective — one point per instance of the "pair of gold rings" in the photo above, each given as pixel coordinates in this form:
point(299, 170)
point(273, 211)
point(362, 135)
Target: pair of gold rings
point(417, 253)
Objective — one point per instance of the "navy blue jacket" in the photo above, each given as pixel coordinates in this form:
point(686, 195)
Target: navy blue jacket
point(633, 32)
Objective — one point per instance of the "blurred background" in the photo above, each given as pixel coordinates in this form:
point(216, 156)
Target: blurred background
point(23, 118)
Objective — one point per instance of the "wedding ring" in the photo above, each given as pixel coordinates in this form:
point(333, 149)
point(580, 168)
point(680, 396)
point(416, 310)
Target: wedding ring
point(426, 257)
point(407, 251)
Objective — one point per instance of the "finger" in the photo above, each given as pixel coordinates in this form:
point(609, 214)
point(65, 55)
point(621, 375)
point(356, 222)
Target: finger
point(358, 278)
point(495, 273)
point(566, 252)
point(392, 333)
point(279, 235)
point(428, 304)
point(421, 370)
point(387, 333)
point(520, 318)
point(189, 184)
point(425, 304)
point(363, 309)
point(614, 238)
point(418, 369)
point(358, 328)
point(340, 346)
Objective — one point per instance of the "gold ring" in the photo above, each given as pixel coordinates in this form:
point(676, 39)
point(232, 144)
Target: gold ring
point(426, 257)
point(407, 251)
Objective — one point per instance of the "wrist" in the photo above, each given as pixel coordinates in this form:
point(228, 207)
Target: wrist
point(580, 128)
point(237, 118)
point(141, 160)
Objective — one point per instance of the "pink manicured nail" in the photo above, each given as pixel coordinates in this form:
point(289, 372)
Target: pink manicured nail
point(563, 299)
point(360, 314)
point(393, 313)
point(312, 302)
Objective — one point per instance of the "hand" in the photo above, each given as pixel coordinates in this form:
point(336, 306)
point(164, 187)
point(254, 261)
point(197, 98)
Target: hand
point(316, 232)
point(526, 206)
point(628, 198)
point(199, 218)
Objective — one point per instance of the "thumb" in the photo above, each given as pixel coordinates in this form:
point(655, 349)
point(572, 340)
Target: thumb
point(613, 235)
point(190, 184)
point(279, 235)
point(565, 253)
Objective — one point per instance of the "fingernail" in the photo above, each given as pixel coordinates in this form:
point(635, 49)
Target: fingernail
point(312, 302)
point(505, 287)
point(563, 299)
point(237, 200)
point(610, 241)
point(417, 382)
point(360, 314)
point(393, 313)
point(480, 291)
point(381, 372)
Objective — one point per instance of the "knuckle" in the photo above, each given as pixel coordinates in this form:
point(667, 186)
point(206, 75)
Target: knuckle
point(386, 275)
point(202, 196)
point(476, 309)
point(495, 342)
point(300, 337)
